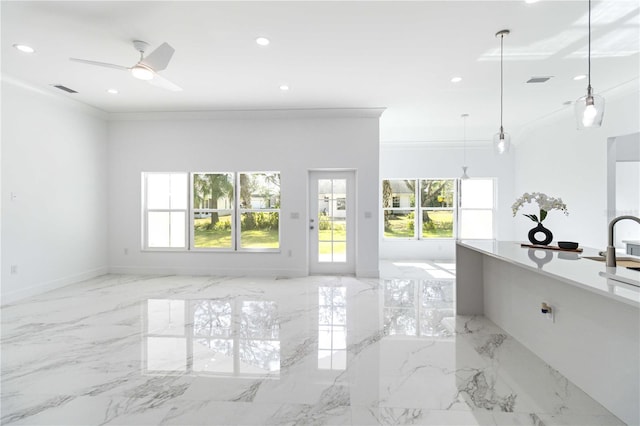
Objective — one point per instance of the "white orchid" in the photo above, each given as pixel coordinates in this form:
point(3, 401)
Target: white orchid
point(545, 203)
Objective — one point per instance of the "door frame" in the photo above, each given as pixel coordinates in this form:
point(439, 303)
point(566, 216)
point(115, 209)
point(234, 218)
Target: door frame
point(315, 266)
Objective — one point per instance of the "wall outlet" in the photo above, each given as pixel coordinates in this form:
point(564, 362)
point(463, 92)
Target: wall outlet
point(14, 269)
point(289, 253)
point(126, 251)
point(547, 311)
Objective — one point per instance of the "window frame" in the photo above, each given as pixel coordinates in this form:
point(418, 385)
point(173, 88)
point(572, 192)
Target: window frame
point(401, 209)
point(146, 210)
point(492, 209)
point(193, 211)
point(418, 209)
point(189, 214)
point(240, 210)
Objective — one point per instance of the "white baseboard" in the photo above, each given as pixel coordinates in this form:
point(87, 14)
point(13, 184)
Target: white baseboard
point(43, 287)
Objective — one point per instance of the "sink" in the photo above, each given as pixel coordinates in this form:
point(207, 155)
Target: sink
point(627, 262)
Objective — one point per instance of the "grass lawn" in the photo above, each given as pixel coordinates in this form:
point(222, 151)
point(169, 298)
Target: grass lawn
point(221, 238)
point(212, 238)
point(257, 238)
point(402, 226)
point(339, 237)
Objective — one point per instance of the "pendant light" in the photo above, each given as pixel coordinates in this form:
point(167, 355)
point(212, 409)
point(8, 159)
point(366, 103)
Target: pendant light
point(589, 109)
point(501, 140)
point(464, 148)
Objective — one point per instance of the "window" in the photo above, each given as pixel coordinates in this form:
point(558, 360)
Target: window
point(259, 210)
point(436, 208)
point(165, 210)
point(398, 202)
point(213, 218)
point(223, 214)
point(476, 209)
point(445, 210)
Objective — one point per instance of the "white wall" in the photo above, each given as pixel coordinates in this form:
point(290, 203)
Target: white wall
point(292, 142)
point(555, 158)
point(444, 160)
point(54, 228)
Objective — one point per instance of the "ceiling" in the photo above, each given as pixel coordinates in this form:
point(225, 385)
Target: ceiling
point(333, 54)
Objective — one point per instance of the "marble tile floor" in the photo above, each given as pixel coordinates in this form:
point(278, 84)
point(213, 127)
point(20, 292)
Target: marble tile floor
point(319, 350)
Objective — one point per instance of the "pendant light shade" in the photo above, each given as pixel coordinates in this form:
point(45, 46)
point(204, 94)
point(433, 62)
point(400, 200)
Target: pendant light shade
point(589, 109)
point(464, 148)
point(501, 140)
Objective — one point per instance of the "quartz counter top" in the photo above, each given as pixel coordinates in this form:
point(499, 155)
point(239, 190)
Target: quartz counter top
point(569, 267)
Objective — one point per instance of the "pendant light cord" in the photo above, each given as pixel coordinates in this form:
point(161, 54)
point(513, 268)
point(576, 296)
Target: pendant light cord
point(501, 79)
point(464, 141)
point(589, 53)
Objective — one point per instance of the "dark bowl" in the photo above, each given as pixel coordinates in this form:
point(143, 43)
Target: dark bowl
point(567, 245)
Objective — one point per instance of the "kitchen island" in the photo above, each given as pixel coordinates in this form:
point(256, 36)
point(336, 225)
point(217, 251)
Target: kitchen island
point(592, 333)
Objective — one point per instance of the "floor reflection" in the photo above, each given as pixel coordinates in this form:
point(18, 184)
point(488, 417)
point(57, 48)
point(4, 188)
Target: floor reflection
point(418, 308)
point(321, 350)
point(332, 328)
point(225, 337)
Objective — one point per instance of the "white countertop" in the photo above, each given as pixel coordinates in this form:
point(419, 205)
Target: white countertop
point(565, 266)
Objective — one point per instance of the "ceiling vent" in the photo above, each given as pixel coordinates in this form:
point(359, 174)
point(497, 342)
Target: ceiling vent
point(538, 79)
point(65, 88)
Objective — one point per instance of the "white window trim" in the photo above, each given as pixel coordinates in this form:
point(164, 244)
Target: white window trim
point(453, 210)
point(189, 212)
point(146, 211)
point(193, 211)
point(492, 209)
point(456, 208)
point(239, 211)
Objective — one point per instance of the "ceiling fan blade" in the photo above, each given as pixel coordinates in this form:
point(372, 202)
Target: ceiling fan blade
point(100, 64)
point(159, 58)
point(162, 82)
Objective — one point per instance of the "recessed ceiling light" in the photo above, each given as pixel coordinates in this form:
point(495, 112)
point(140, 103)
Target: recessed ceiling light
point(530, 1)
point(24, 48)
point(580, 77)
point(456, 79)
point(262, 41)
point(284, 87)
point(113, 91)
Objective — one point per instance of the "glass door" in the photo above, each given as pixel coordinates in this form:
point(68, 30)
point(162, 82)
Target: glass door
point(331, 217)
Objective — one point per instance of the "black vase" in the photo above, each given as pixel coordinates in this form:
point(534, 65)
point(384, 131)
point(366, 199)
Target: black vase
point(548, 236)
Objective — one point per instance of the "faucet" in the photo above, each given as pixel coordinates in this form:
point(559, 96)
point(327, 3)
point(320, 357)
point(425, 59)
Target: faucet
point(611, 250)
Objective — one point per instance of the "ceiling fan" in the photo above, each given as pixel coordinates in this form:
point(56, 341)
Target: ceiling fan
point(147, 67)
